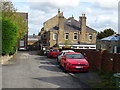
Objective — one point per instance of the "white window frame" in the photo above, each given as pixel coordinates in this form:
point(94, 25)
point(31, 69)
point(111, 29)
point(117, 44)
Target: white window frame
point(66, 36)
point(22, 43)
point(74, 36)
point(54, 36)
point(89, 37)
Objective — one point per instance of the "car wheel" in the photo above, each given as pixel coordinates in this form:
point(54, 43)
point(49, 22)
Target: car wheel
point(58, 61)
point(65, 68)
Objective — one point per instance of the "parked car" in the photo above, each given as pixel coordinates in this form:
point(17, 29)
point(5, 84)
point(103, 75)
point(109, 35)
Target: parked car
point(46, 52)
point(74, 62)
point(53, 53)
point(62, 53)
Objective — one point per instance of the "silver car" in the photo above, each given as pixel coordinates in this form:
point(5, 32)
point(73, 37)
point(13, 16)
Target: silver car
point(62, 53)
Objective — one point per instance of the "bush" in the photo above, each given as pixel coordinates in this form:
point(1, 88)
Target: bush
point(9, 36)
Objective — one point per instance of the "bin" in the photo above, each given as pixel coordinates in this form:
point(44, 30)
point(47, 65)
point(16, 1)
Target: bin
point(117, 76)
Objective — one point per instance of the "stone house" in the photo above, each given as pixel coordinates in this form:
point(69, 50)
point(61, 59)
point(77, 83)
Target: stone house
point(22, 43)
point(59, 32)
point(111, 44)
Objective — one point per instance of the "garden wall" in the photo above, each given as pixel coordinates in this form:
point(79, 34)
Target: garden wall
point(102, 60)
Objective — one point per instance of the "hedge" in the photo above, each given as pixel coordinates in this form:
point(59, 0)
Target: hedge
point(9, 36)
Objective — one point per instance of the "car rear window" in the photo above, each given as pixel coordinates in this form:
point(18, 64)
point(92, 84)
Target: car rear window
point(54, 50)
point(75, 56)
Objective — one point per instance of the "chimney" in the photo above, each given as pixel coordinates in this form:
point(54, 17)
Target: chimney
point(61, 21)
point(61, 28)
point(82, 20)
point(58, 10)
point(72, 16)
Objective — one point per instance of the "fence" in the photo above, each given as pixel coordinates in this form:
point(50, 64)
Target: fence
point(102, 60)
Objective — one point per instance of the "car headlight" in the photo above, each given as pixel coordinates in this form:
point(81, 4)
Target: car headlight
point(69, 64)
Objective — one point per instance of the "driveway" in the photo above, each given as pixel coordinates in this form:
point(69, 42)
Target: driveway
point(30, 70)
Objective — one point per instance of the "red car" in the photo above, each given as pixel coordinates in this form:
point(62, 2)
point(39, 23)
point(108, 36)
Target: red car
point(73, 61)
point(53, 53)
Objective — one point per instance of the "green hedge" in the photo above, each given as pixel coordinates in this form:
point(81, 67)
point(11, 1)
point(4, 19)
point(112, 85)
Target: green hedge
point(9, 36)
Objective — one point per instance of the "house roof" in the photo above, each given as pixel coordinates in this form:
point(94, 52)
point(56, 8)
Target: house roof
point(71, 24)
point(112, 38)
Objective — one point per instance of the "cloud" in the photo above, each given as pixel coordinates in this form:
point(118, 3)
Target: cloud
point(100, 14)
point(106, 4)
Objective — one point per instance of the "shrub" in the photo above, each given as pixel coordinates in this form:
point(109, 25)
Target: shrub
point(9, 36)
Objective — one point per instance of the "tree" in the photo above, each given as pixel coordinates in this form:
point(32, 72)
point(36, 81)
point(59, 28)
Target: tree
point(105, 33)
point(8, 11)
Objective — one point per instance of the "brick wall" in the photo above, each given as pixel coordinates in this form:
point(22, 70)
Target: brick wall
point(101, 60)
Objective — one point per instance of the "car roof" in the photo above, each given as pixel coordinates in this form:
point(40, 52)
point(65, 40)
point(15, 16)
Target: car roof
point(72, 53)
point(67, 51)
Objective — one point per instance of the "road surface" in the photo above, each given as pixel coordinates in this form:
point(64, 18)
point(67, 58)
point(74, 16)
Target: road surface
point(29, 70)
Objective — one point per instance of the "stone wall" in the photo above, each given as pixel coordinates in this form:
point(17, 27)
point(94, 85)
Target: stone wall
point(5, 59)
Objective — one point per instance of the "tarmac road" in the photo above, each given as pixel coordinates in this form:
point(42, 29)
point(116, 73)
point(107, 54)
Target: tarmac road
point(29, 70)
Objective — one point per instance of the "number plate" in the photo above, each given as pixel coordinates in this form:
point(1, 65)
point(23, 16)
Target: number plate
point(79, 67)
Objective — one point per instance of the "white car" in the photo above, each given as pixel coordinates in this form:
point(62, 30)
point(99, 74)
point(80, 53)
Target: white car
point(62, 53)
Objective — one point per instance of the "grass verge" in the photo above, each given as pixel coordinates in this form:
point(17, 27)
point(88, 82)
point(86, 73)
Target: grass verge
point(107, 79)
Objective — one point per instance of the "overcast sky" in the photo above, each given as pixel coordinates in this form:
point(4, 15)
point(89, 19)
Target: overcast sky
point(101, 14)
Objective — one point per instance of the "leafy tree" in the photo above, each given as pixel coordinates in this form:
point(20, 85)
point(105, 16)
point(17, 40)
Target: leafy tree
point(8, 11)
point(105, 33)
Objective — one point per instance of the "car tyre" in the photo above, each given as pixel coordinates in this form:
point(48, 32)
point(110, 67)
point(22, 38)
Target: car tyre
point(58, 61)
point(65, 69)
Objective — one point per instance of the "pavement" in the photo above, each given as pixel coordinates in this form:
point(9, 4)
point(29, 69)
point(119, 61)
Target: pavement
point(30, 70)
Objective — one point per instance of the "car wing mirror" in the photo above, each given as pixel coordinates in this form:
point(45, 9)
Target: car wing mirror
point(86, 58)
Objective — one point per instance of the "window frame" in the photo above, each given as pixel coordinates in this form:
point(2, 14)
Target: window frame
point(66, 35)
point(89, 37)
point(54, 36)
point(22, 43)
point(44, 35)
point(74, 36)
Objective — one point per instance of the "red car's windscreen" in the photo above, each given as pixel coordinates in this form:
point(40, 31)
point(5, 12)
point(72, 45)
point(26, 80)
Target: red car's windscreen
point(54, 50)
point(75, 56)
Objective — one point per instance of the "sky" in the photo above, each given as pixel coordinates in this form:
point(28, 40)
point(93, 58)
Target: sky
point(101, 14)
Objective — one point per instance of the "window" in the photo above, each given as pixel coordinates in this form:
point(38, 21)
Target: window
point(54, 36)
point(87, 47)
point(75, 56)
point(21, 43)
point(75, 36)
point(90, 37)
point(44, 35)
point(80, 47)
point(66, 36)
